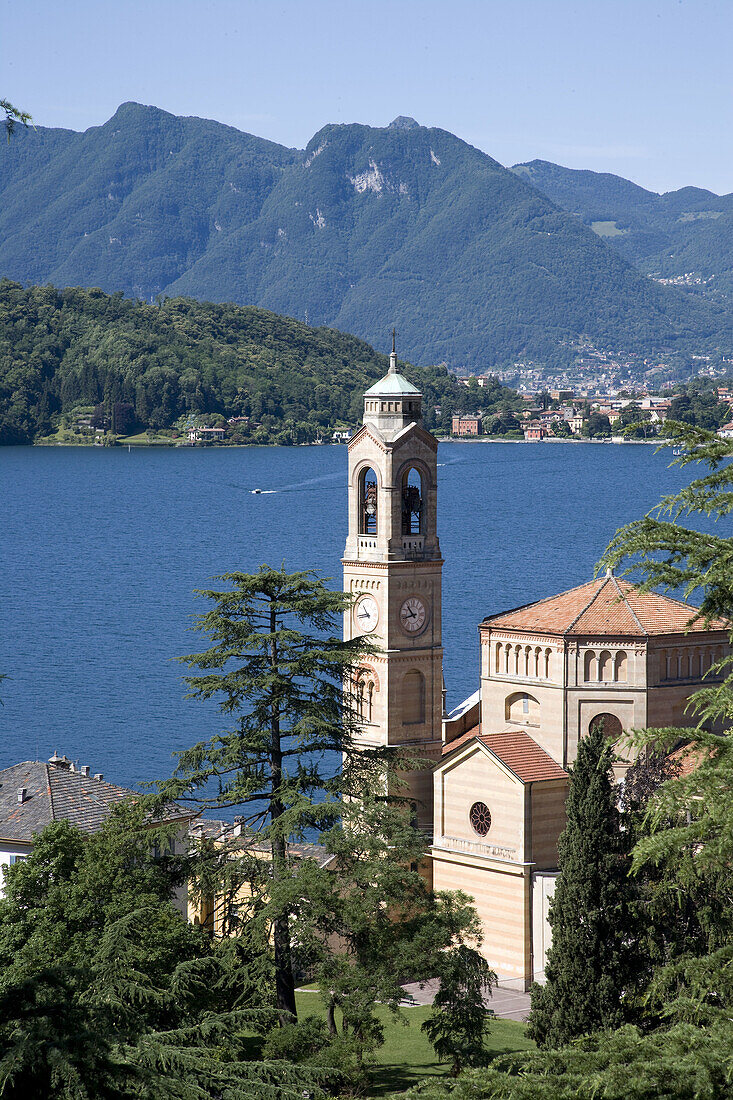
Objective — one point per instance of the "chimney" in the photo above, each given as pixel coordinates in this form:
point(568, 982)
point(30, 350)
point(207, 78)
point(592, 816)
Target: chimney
point(99, 776)
point(22, 794)
point(60, 761)
point(85, 769)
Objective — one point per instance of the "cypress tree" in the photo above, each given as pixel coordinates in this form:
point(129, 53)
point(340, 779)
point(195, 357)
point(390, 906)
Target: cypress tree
point(592, 960)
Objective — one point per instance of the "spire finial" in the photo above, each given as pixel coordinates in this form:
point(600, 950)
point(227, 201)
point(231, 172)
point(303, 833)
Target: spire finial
point(393, 355)
point(609, 571)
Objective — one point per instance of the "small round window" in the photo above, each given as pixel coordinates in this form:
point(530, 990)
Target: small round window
point(480, 818)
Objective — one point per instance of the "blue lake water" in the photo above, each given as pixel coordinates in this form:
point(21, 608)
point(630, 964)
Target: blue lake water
point(100, 551)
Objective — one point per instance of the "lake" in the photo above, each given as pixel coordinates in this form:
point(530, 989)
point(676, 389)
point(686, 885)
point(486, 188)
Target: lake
point(101, 549)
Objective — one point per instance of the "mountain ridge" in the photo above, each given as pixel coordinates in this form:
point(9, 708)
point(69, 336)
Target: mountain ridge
point(686, 234)
point(365, 228)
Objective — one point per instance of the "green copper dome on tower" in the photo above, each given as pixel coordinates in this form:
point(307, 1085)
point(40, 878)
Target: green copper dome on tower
point(393, 383)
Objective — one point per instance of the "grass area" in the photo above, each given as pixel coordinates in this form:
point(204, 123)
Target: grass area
point(406, 1056)
point(145, 439)
point(607, 229)
point(64, 437)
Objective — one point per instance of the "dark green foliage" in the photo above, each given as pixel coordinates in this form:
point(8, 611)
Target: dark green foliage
point(683, 232)
point(107, 992)
point(459, 1022)
point(366, 228)
point(279, 671)
point(298, 1042)
point(371, 923)
point(13, 116)
point(592, 963)
point(561, 429)
point(597, 425)
point(684, 854)
point(685, 1063)
point(696, 404)
point(152, 364)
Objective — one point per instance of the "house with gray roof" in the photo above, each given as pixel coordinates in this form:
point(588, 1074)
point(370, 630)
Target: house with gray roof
point(35, 793)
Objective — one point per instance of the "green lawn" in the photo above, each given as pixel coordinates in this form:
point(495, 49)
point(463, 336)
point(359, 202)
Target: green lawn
point(407, 1056)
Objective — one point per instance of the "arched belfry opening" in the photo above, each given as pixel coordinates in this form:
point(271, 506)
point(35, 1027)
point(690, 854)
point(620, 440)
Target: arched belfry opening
point(413, 503)
point(368, 502)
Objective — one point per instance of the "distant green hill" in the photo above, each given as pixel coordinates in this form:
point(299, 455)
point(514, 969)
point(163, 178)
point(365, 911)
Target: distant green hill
point(365, 228)
point(685, 232)
point(60, 349)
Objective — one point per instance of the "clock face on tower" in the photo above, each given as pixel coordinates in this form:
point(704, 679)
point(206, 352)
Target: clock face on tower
point(413, 615)
point(366, 614)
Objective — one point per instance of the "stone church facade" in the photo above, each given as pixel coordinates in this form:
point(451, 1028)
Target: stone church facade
point(493, 790)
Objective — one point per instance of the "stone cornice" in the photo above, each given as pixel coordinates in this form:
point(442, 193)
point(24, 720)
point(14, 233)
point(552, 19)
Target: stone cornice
point(392, 563)
point(365, 431)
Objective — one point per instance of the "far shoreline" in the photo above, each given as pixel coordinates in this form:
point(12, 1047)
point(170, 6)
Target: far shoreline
point(160, 444)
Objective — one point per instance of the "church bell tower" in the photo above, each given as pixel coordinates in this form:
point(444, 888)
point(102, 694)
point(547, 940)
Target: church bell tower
point(392, 567)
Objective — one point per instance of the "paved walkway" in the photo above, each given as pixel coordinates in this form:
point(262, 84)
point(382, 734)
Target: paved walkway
point(507, 1004)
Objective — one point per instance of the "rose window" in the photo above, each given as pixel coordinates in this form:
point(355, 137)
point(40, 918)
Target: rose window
point(480, 818)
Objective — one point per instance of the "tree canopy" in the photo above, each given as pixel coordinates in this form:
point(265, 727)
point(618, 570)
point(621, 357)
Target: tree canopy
point(152, 364)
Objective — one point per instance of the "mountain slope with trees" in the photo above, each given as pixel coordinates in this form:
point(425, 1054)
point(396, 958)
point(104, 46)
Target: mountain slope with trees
point(60, 349)
point(688, 232)
point(366, 228)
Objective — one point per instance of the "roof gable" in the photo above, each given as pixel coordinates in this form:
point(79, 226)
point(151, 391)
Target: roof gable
point(367, 430)
point(411, 430)
point(516, 750)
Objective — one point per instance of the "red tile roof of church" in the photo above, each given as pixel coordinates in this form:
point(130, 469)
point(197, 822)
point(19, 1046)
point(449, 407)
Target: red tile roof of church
point(607, 605)
point(515, 748)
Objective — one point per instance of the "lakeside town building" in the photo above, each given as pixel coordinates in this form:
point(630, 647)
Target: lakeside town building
point(492, 789)
point(35, 793)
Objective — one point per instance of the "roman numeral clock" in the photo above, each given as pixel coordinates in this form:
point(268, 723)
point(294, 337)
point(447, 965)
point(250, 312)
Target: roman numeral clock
point(393, 569)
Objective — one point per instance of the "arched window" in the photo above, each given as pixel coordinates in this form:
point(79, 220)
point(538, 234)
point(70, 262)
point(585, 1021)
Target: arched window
point(498, 657)
point(364, 690)
point(612, 728)
point(605, 667)
point(548, 657)
point(368, 499)
point(620, 673)
point(517, 653)
point(589, 666)
point(507, 651)
point(413, 698)
point(522, 708)
point(537, 662)
point(412, 503)
point(527, 666)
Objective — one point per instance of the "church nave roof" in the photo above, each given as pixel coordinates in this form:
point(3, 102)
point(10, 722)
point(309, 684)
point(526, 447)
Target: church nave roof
point(606, 605)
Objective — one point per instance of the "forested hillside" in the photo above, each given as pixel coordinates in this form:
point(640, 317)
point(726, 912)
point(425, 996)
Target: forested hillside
point(366, 228)
point(60, 349)
point(685, 235)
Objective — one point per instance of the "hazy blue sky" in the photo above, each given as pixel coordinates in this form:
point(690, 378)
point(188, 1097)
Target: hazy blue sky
point(643, 88)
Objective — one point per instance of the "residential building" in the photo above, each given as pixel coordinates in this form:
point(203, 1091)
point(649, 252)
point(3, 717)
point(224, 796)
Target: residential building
point(534, 432)
point(35, 793)
point(466, 425)
point(206, 435)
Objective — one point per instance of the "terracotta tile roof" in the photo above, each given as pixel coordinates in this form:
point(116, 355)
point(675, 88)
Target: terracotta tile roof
point(461, 739)
point(688, 759)
point(515, 748)
point(55, 793)
point(607, 605)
